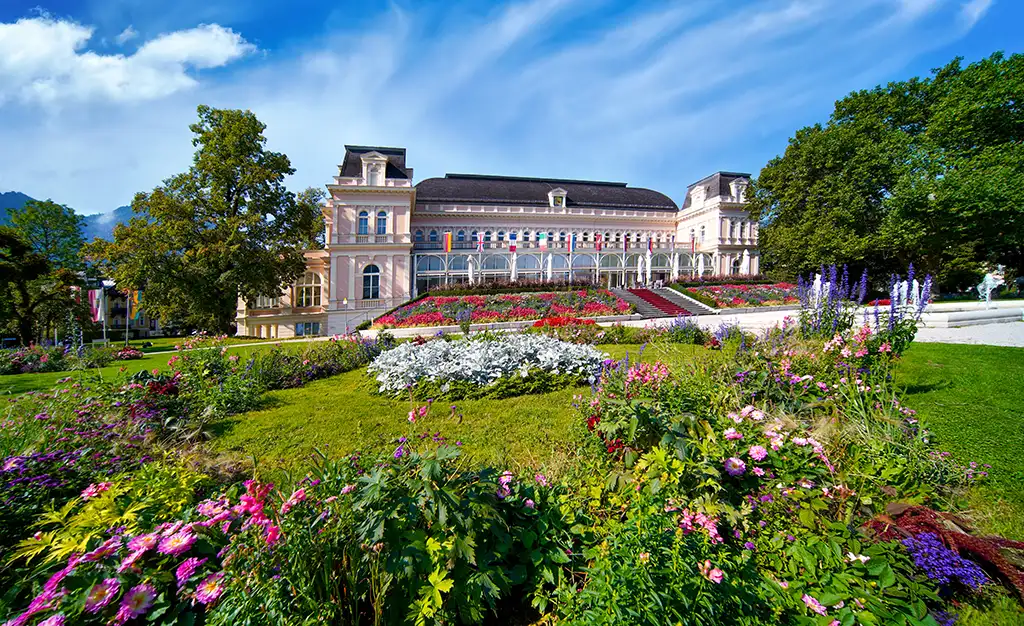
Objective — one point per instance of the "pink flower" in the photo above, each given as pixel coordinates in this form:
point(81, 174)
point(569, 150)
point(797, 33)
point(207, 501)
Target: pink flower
point(94, 490)
point(732, 434)
point(273, 534)
point(347, 489)
point(758, 453)
point(142, 543)
point(735, 466)
point(210, 589)
point(297, 497)
point(53, 620)
point(101, 594)
point(541, 479)
point(757, 471)
point(129, 561)
point(136, 602)
point(187, 569)
point(412, 417)
point(177, 543)
point(814, 605)
point(885, 347)
point(530, 504)
point(713, 574)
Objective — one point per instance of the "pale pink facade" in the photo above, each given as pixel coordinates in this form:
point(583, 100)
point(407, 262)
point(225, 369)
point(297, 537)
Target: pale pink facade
point(385, 239)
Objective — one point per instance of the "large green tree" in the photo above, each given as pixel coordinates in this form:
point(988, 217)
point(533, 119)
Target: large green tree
point(928, 170)
point(30, 285)
point(226, 228)
point(53, 230)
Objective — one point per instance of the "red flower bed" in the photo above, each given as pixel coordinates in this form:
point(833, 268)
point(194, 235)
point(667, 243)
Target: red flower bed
point(557, 322)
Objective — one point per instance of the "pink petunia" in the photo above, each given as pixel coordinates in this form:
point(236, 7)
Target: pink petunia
point(758, 453)
point(210, 589)
point(177, 543)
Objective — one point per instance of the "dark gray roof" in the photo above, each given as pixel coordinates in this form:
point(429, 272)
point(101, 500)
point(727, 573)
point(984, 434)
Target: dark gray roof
point(715, 185)
point(352, 166)
point(521, 191)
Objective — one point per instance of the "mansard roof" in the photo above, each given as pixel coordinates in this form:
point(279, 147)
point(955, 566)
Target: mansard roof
point(715, 185)
point(352, 166)
point(524, 191)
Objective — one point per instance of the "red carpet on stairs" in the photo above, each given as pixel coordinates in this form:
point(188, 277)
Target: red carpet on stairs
point(665, 306)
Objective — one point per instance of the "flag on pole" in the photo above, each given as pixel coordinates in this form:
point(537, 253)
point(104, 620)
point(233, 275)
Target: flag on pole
point(448, 241)
point(97, 306)
point(479, 242)
point(650, 244)
point(598, 238)
point(625, 244)
point(572, 242)
point(542, 239)
point(693, 245)
point(673, 243)
point(511, 242)
point(136, 302)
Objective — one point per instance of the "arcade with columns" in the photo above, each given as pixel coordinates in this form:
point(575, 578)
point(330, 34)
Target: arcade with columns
point(386, 239)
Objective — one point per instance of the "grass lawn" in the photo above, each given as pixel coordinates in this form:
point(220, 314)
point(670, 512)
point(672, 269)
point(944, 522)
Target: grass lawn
point(20, 383)
point(972, 398)
point(341, 414)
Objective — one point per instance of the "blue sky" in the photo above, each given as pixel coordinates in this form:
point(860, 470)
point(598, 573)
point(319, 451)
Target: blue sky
point(96, 96)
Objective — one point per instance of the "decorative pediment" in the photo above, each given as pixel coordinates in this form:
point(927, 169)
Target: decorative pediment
point(556, 197)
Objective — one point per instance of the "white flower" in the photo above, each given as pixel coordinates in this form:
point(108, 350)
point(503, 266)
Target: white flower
point(851, 557)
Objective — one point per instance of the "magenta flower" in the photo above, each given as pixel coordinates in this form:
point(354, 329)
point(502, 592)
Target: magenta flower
point(273, 534)
point(143, 542)
point(53, 620)
point(735, 467)
point(136, 602)
point(541, 479)
point(347, 489)
point(101, 594)
point(187, 569)
point(177, 543)
point(94, 490)
point(758, 453)
point(814, 605)
point(733, 435)
point(530, 504)
point(129, 561)
point(210, 589)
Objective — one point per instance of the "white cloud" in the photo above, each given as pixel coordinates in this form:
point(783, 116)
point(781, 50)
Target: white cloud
point(971, 12)
point(126, 35)
point(656, 96)
point(45, 60)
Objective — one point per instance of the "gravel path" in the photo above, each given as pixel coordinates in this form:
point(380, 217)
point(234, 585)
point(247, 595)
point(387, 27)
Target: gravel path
point(1011, 334)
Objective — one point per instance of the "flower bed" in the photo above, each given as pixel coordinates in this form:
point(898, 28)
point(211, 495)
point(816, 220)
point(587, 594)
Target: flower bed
point(451, 310)
point(741, 296)
point(501, 366)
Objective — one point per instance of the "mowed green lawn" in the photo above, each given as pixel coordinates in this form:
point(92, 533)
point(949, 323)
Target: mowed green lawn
point(972, 399)
point(342, 414)
point(20, 383)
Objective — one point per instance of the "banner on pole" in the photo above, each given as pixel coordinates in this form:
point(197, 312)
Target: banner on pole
point(448, 242)
point(479, 242)
point(542, 240)
point(511, 242)
point(598, 240)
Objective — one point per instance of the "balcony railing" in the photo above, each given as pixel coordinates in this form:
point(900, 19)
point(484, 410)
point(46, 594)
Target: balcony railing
point(586, 246)
point(370, 239)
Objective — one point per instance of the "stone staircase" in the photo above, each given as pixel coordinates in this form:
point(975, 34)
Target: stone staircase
point(691, 305)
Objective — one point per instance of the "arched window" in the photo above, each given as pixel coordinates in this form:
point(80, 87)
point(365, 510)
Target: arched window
point(487, 235)
point(702, 234)
point(308, 290)
point(433, 236)
point(585, 237)
point(692, 235)
point(561, 236)
point(419, 235)
point(551, 236)
point(382, 222)
point(364, 223)
point(472, 237)
point(526, 235)
point(460, 236)
point(501, 235)
point(374, 172)
point(371, 282)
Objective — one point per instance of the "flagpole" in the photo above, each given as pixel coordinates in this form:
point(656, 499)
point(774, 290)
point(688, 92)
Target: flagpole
point(572, 241)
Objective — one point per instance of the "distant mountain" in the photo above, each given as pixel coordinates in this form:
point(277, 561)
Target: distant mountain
point(11, 200)
point(97, 225)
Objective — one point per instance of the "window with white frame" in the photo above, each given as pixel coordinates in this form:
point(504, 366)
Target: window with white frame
point(702, 234)
point(419, 235)
point(264, 302)
point(308, 289)
point(433, 236)
point(364, 223)
point(371, 282)
point(382, 222)
point(460, 236)
point(501, 235)
point(487, 235)
point(304, 329)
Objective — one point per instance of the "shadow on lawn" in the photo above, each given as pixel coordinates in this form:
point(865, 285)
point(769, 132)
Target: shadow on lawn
point(920, 388)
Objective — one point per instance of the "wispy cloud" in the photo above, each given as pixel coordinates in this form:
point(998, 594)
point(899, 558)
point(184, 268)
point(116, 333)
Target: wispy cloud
point(971, 12)
point(657, 95)
point(126, 35)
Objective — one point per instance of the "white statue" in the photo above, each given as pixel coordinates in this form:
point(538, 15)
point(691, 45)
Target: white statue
point(915, 293)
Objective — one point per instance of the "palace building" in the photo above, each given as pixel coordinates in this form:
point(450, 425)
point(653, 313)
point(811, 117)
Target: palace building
point(388, 240)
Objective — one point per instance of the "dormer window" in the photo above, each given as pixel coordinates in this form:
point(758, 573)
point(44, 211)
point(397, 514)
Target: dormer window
point(374, 164)
point(738, 187)
point(556, 198)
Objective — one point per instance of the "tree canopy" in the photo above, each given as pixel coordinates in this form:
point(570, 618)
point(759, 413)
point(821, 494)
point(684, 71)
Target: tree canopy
point(928, 170)
point(53, 230)
point(226, 228)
